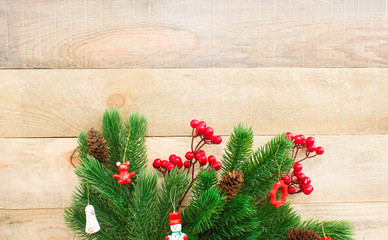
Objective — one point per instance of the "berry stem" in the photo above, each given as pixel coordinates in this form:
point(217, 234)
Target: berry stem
point(197, 148)
point(204, 142)
point(192, 140)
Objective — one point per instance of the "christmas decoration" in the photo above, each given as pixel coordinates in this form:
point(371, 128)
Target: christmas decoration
point(231, 183)
point(231, 200)
point(92, 225)
point(176, 227)
point(296, 180)
point(274, 191)
point(302, 234)
point(124, 176)
point(196, 155)
point(97, 146)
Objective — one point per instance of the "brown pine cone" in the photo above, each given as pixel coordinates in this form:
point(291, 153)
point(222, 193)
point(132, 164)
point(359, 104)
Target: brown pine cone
point(231, 183)
point(97, 146)
point(302, 234)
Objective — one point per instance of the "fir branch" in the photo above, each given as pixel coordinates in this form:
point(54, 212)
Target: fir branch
point(265, 166)
point(145, 205)
point(204, 211)
point(83, 147)
point(277, 221)
point(135, 149)
point(206, 204)
point(238, 148)
point(111, 131)
point(205, 179)
point(238, 220)
point(171, 191)
point(339, 230)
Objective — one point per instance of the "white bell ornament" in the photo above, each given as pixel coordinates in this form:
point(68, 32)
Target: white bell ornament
point(92, 225)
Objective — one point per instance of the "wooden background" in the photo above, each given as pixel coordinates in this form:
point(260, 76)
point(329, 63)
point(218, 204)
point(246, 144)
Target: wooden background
point(317, 67)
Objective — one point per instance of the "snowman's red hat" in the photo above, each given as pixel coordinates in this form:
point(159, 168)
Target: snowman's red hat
point(175, 218)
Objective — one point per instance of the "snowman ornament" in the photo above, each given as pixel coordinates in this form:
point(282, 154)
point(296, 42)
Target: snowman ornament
point(176, 227)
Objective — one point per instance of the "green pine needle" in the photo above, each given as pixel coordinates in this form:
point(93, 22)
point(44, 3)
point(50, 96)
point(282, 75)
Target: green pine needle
point(204, 211)
point(238, 149)
point(339, 230)
point(135, 149)
point(265, 166)
point(111, 131)
point(145, 205)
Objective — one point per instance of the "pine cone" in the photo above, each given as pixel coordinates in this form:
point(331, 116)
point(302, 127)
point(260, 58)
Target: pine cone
point(302, 234)
point(231, 183)
point(97, 146)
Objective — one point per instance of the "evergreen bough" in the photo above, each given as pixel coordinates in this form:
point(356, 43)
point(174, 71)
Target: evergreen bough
point(140, 210)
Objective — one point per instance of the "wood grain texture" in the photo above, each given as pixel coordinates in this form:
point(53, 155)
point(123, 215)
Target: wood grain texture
point(60, 103)
point(33, 224)
point(36, 173)
point(193, 34)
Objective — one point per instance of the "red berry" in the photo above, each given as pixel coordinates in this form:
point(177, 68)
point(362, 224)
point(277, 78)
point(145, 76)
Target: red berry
point(194, 123)
point(298, 167)
point(286, 179)
point(301, 186)
point(202, 160)
point(164, 163)
point(157, 163)
point(303, 142)
point(311, 148)
point(301, 136)
point(307, 181)
point(172, 156)
point(326, 238)
point(201, 152)
point(202, 123)
point(209, 131)
point(186, 164)
point(170, 167)
point(200, 129)
point(189, 155)
point(319, 150)
point(217, 140)
point(217, 165)
point(310, 141)
point(308, 189)
point(208, 137)
point(291, 190)
point(297, 139)
point(300, 176)
point(180, 165)
point(177, 161)
point(211, 159)
point(289, 136)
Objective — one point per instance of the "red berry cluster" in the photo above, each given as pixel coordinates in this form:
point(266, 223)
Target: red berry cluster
point(196, 155)
point(297, 181)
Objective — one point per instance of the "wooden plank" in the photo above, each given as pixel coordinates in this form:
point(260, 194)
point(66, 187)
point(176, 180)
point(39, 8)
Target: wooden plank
point(368, 219)
point(36, 172)
point(32, 224)
point(59, 103)
point(196, 34)
point(3, 34)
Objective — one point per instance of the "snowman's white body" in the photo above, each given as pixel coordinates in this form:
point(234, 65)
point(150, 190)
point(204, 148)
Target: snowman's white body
point(177, 233)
